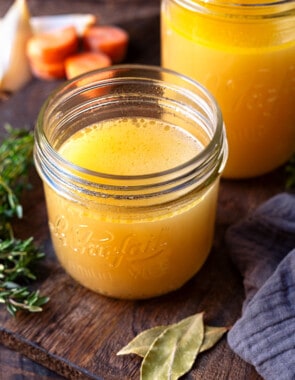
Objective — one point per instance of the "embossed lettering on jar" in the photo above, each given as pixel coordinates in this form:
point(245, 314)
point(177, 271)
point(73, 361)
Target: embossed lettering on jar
point(131, 158)
point(244, 53)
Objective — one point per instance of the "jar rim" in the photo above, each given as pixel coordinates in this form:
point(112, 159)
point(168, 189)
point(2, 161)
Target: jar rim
point(148, 68)
point(248, 8)
point(243, 3)
point(210, 159)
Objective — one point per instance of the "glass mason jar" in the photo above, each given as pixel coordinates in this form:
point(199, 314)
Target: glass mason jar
point(244, 54)
point(130, 157)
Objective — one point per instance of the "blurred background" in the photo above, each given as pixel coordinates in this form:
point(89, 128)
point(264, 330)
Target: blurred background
point(138, 17)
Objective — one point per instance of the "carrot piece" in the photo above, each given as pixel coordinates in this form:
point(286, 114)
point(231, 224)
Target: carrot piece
point(47, 71)
point(53, 46)
point(108, 39)
point(83, 62)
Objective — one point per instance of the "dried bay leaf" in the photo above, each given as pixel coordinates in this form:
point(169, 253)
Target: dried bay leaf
point(146, 341)
point(173, 352)
point(211, 336)
point(142, 342)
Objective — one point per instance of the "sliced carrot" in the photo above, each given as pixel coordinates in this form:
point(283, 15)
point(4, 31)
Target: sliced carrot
point(53, 46)
point(47, 71)
point(108, 39)
point(83, 62)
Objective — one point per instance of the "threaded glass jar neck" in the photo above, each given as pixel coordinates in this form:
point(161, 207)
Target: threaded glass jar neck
point(129, 91)
point(251, 8)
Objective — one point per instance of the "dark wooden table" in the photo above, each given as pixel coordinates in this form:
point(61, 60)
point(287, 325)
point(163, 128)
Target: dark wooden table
point(52, 338)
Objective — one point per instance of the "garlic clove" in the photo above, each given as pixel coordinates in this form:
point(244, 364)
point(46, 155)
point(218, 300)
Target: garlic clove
point(15, 30)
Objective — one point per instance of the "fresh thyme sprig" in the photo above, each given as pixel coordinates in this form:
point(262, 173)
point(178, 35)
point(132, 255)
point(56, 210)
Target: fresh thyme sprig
point(16, 260)
point(16, 158)
point(17, 257)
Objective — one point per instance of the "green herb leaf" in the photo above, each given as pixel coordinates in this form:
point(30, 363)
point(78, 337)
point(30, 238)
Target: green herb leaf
point(17, 257)
point(173, 352)
point(15, 160)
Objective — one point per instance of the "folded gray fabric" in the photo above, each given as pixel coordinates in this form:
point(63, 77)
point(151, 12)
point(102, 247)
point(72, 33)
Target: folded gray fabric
point(263, 248)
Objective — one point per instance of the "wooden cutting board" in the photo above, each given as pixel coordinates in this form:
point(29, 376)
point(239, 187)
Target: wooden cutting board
point(79, 332)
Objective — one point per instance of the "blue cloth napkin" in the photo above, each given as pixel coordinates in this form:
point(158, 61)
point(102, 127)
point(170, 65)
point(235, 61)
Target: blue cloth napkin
point(262, 246)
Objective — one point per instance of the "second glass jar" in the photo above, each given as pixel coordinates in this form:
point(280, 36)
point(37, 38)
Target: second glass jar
point(244, 53)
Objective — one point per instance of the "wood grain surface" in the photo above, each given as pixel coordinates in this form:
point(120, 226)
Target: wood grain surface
point(79, 332)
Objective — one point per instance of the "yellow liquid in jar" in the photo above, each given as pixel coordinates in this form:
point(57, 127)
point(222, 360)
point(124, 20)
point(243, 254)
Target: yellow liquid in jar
point(137, 254)
point(251, 73)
